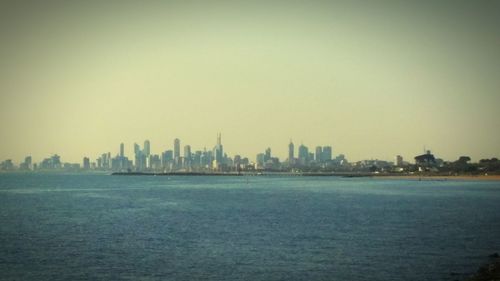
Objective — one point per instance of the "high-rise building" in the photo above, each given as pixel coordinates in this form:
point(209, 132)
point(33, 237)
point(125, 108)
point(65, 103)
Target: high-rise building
point(105, 161)
point(219, 151)
point(187, 151)
point(28, 161)
point(154, 162)
point(86, 163)
point(166, 158)
point(207, 158)
point(26, 165)
point(196, 158)
point(303, 154)
point(237, 160)
point(140, 161)
point(147, 148)
point(177, 149)
point(122, 150)
point(137, 149)
point(260, 160)
point(399, 161)
point(310, 157)
point(7, 165)
point(319, 154)
point(187, 156)
point(327, 153)
point(290, 151)
point(56, 160)
point(267, 155)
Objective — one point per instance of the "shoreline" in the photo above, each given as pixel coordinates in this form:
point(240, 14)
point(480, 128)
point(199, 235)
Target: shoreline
point(427, 177)
point(442, 177)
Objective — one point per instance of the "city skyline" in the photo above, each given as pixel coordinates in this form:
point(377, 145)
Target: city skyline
point(373, 80)
point(177, 146)
point(318, 160)
point(179, 150)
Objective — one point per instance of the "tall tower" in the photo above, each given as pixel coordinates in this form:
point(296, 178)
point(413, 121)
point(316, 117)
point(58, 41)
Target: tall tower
point(86, 163)
point(177, 149)
point(290, 151)
point(187, 152)
point(319, 154)
point(147, 148)
point(267, 155)
point(218, 149)
point(137, 149)
point(303, 154)
point(122, 150)
point(327, 153)
point(187, 157)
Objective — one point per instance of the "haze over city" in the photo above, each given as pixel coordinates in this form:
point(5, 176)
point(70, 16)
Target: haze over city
point(372, 80)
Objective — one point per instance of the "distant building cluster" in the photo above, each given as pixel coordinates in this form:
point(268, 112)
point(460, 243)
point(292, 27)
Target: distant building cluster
point(321, 159)
point(302, 159)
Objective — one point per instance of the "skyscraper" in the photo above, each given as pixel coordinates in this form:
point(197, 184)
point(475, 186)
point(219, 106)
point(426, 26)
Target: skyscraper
point(140, 158)
point(259, 160)
point(267, 156)
point(28, 161)
point(187, 156)
point(290, 151)
point(327, 153)
point(218, 150)
point(319, 154)
point(166, 158)
point(137, 149)
point(147, 148)
point(303, 154)
point(177, 149)
point(187, 151)
point(218, 154)
point(122, 150)
point(26, 165)
point(86, 163)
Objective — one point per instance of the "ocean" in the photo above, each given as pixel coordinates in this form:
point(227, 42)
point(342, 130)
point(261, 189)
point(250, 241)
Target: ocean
point(102, 227)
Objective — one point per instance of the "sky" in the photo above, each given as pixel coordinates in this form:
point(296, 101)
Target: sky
point(372, 79)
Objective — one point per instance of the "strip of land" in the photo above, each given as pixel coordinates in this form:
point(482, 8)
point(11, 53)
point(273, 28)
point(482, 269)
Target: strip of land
point(443, 178)
point(420, 177)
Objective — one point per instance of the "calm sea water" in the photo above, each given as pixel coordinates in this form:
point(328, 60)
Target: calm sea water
point(101, 227)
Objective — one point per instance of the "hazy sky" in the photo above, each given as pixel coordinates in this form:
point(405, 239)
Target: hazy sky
point(373, 79)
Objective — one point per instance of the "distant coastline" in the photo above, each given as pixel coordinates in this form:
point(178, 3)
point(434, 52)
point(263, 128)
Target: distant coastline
point(173, 174)
point(375, 176)
point(434, 177)
point(442, 177)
